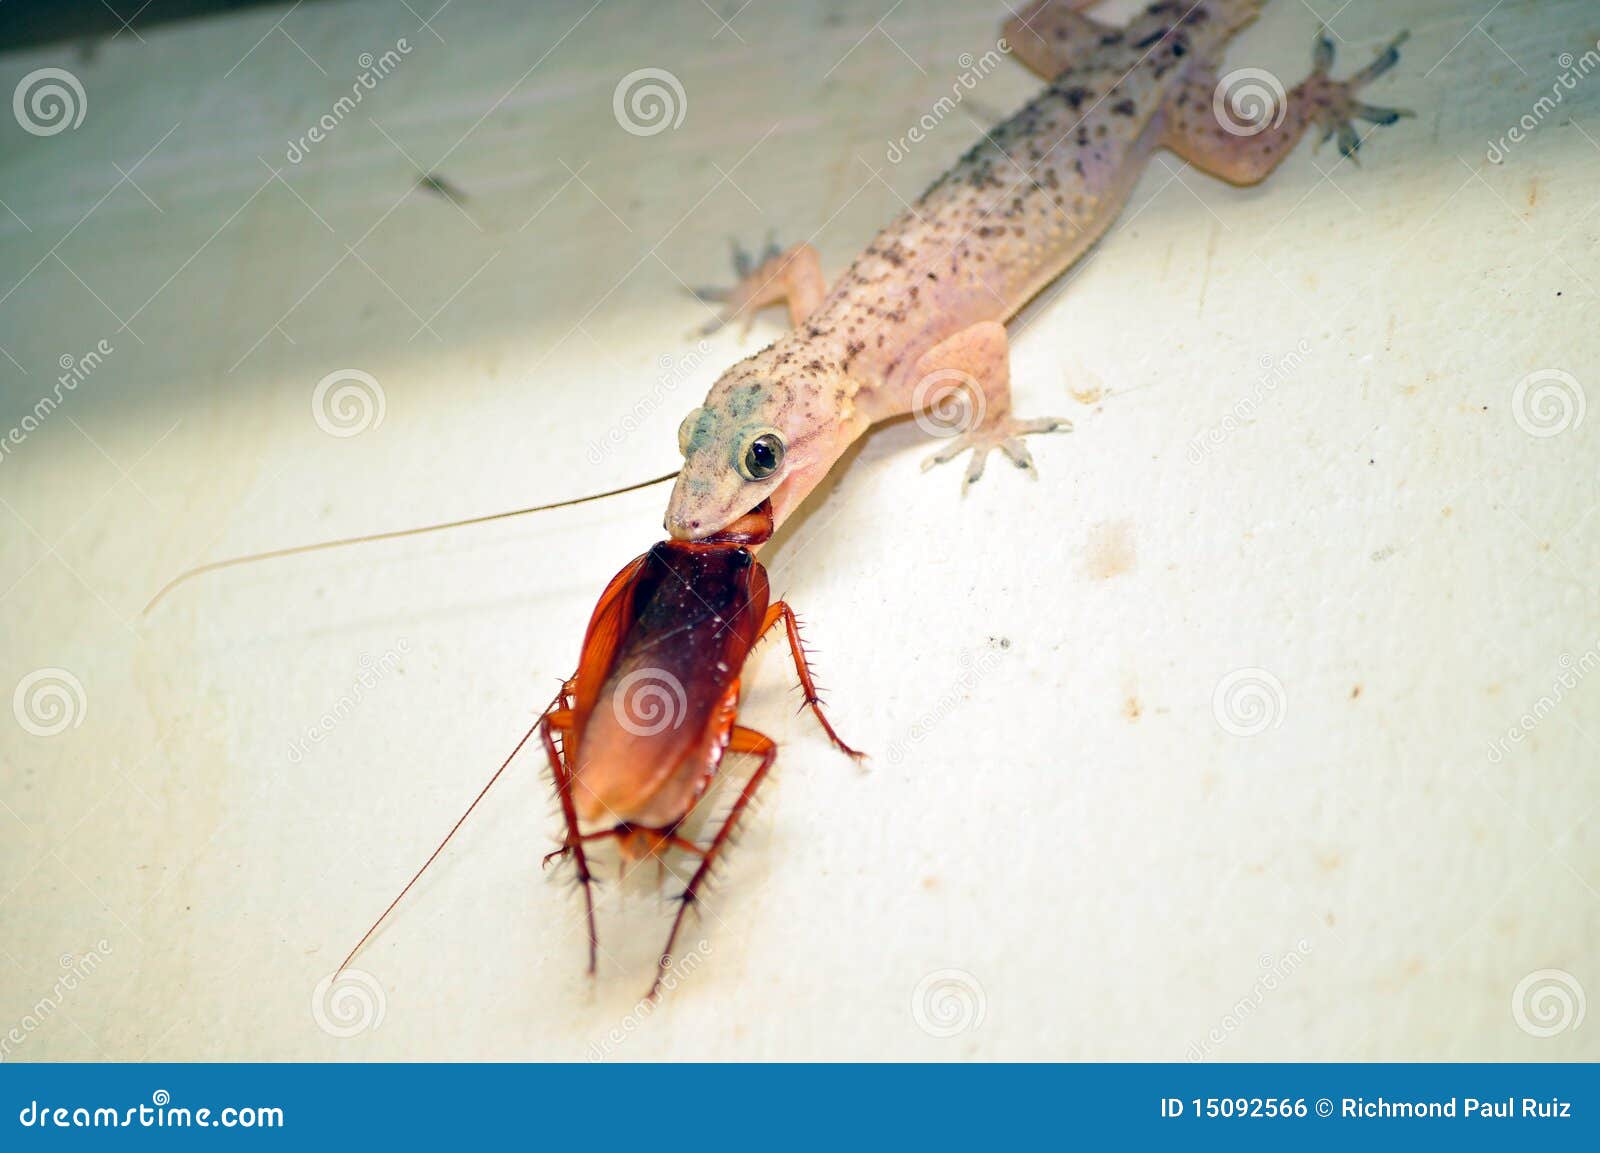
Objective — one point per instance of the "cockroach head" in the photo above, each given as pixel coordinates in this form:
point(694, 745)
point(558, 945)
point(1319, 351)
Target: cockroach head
point(756, 431)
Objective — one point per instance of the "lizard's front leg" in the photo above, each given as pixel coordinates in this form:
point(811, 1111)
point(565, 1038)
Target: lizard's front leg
point(961, 389)
point(1208, 132)
point(792, 277)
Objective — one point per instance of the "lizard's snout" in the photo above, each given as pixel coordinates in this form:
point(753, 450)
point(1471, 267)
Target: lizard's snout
point(680, 526)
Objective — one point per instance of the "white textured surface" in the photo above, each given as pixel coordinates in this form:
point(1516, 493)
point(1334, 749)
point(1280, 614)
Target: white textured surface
point(1076, 831)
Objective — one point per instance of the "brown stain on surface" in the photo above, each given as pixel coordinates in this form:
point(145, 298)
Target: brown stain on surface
point(1109, 551)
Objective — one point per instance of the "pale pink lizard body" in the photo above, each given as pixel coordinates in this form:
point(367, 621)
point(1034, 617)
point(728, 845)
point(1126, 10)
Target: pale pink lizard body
point(921, 311)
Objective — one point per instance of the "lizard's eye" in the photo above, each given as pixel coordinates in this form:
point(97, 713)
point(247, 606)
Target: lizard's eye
point(762, 456)
point(686, 430)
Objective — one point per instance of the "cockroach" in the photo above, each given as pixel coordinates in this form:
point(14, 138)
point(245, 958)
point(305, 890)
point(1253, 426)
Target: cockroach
point(635, 737)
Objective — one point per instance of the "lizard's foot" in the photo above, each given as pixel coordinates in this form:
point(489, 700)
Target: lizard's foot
point(1005, 434)
point(765, 278)
point(1337, 108)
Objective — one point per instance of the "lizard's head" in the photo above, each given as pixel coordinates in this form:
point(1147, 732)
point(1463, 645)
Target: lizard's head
point(770, 427)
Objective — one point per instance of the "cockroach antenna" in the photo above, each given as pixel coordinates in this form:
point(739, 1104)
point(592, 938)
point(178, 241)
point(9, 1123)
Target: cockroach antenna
point(395, 534)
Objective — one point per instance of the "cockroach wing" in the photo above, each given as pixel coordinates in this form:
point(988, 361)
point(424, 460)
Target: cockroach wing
point(655, 730)
point(612, 616)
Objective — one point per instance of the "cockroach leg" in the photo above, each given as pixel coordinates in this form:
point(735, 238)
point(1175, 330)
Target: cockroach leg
point(557, 855)
point(561, 720)
point(683, 843)
point(741, 740)
point(780, 611)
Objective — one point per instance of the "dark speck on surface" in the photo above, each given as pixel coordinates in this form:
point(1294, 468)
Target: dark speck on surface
point(438, 185)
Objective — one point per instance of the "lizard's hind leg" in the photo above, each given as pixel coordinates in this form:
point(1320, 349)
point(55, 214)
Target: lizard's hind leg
point(1050, 35)
point(1209, 130)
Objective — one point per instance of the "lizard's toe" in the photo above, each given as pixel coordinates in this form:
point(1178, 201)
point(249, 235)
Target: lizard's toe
point(1373, 114)
point(1387, 58)
point(1017, 453)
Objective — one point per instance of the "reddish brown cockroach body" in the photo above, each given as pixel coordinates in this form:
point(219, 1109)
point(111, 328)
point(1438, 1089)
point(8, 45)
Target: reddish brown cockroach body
point(636, 735)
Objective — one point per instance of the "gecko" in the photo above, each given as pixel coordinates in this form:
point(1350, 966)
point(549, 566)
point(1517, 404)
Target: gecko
point(919, 318)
